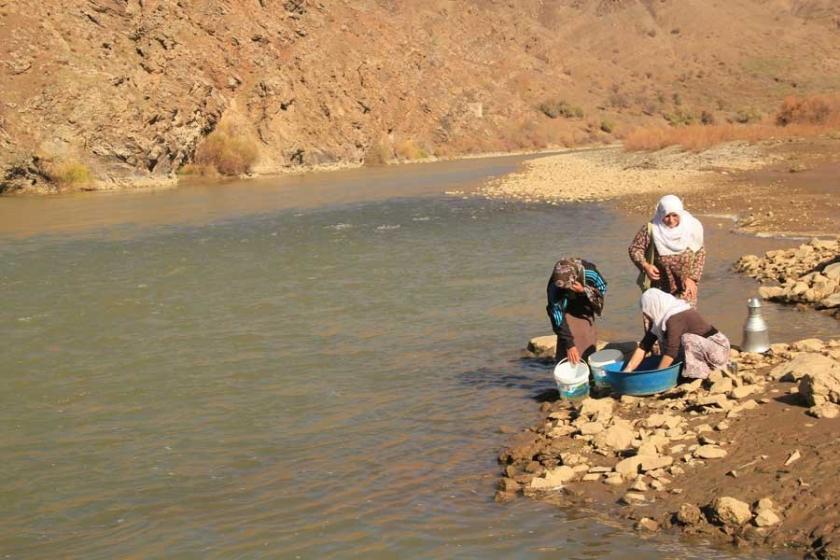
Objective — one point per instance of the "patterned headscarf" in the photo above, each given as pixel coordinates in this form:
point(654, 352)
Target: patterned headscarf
point(567, 272)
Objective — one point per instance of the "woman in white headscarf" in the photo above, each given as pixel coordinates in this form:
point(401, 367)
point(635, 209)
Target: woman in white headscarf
point(669, 252)
point(683, 334)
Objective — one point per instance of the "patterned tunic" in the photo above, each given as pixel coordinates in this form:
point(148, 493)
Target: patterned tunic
point(673, 269)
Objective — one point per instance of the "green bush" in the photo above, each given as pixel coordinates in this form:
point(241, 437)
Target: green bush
point(607, 126)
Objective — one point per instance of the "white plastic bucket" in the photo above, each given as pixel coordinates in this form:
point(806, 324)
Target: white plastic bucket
point(598, 360)
point(572, 380)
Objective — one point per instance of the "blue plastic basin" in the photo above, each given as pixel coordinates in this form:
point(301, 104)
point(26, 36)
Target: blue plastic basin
point(643, 381)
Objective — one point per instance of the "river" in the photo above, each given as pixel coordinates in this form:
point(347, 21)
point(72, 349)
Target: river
point(301, 367)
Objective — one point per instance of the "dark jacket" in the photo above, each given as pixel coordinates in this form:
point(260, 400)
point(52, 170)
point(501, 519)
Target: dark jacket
point(561, 302)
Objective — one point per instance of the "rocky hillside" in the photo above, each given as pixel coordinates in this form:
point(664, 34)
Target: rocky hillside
point(123, 92)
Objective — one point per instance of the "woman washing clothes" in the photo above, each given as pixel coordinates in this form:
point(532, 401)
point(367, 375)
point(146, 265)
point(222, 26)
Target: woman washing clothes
point(669, 251)
point(576, 293)
point(682, 333)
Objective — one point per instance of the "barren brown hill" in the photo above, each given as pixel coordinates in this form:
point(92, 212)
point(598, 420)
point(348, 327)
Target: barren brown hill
point(108, 93)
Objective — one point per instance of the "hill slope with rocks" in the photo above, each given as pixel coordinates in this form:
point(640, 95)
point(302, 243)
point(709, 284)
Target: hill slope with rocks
point(123, 92)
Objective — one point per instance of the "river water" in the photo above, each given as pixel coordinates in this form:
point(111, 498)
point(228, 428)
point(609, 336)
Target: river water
point(307, 367)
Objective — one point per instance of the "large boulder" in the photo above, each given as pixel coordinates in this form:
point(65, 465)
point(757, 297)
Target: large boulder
point(801, 365)
point(821, 386)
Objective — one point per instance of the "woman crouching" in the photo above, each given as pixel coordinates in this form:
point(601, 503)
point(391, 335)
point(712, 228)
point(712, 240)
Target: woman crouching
point(682, 332)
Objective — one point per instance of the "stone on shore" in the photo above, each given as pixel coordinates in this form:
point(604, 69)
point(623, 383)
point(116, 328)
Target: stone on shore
point(543, 346)
point(689, 514)
point(729, 511)
point(801, 365)
point(821, 383)
point(617, 437)
point(825, 410)
point(554, 478)
point(765, 515)
point(709, 452)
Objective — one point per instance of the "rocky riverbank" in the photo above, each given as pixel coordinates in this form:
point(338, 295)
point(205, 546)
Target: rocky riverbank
point(807, 275)
point(747, 456)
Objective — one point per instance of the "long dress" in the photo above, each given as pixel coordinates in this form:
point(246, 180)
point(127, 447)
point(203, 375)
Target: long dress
point(673, 269)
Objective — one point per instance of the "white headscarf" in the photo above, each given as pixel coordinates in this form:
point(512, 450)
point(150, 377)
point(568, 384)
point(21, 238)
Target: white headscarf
point(660, 306)
point(673, 241)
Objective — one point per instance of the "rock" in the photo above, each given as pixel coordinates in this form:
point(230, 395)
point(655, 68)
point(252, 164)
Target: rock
point(764, 503)
point(543, 346)
point(719, 401)
point(553, 478)
point(689, 514)
point(808, 345)
point(715, 376)
point(508, 486)
point(830, 302)
point(821, 384)
point(628, 467)
point(614, 479)
point(825, 410)
point(656, 420)
point(647, 449)
point(591, 428)
point(571, 459)
point(617, 437)
point(597, 409)
point(767, 518)
point(523, 447)
point(742, 391)
point(771, 292)
point(709, 452)
point(722, 425)
point(720, 387)
point(647, 524)
point(628, 399)
point(633, 498)
point(651, 463)
point(592, 477)
point(793, 457)
point(801, 365)
point(729, 511)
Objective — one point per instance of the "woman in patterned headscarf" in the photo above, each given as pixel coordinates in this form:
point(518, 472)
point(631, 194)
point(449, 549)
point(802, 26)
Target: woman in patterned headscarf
point(576, 293)
point(669, 251)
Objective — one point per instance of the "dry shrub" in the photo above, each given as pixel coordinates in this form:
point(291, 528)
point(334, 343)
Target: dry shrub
point(379, 153)
point(812, 109)
point(69, 174)
point(228, 150)
point(408, 150)
point(700, 137)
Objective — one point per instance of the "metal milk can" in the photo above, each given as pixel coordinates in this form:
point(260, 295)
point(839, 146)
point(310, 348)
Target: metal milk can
point(756, 336)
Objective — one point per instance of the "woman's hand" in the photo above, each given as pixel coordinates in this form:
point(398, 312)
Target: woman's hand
point(651, 271)
point(690, 290)
point(635, 360)
point(573, 355)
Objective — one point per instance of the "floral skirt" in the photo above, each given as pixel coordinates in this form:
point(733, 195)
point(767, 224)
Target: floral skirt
point(704, 355)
